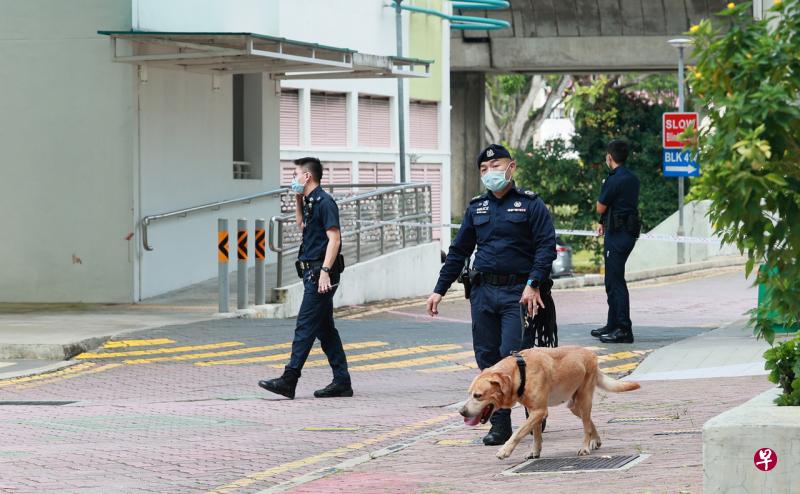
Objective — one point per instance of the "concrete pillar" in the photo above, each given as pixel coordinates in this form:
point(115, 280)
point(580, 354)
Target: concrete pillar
point(467, 94)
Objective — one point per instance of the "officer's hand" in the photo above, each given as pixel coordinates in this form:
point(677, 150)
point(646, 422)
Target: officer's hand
point(324, 282)
point(532, 299)
point(433, 304)
point(600, 230)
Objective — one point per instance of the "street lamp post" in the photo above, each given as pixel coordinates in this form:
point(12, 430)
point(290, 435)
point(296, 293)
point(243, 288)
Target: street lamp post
point(401, 109)
point(681, 44)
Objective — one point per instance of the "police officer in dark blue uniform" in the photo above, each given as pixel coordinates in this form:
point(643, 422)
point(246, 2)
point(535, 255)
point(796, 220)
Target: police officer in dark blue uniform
point(516, 243)
point(319, 264)
point(618, 206)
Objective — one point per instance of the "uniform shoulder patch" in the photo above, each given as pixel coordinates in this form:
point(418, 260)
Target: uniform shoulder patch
point(477, 198)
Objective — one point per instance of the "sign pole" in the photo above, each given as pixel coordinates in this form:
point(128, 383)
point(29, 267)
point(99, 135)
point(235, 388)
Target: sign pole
point(681, 253)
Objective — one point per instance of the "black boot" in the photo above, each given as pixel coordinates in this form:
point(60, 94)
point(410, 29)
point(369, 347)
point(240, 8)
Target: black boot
point(284, 385)
point(335, 390)
point(597, 333)
point(499, 433)
point(618, 336)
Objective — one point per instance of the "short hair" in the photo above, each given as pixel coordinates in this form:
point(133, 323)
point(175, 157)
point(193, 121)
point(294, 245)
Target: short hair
point(313, 165)
point(619, 150)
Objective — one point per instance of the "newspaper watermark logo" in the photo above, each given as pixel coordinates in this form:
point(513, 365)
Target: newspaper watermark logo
point(765, 459)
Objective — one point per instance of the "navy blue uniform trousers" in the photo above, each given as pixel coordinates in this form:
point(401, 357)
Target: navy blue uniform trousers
point(497, 327)
point(618, 246)
point(315, 321)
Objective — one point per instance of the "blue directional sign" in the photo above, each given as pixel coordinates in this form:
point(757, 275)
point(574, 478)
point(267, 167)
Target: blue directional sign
point(678, 163)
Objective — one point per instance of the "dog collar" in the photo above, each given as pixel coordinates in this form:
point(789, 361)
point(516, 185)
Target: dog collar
point(521, 365)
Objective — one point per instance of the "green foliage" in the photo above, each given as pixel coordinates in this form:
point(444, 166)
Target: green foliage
point(783, 364)
point(606, 111)
point(747, 79)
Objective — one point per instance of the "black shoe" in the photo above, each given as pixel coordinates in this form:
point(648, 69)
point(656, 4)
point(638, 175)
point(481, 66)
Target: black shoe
point(597, 333)
point(618, 336)
point(284, 386)
point(498, 434)
point(335, 390)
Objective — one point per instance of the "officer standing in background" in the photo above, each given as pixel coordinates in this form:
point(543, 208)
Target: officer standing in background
point(516, 244)
point(618, 206)
point(320, 265)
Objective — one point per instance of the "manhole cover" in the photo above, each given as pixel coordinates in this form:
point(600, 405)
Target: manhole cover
point(573, 464)
point(35, 403)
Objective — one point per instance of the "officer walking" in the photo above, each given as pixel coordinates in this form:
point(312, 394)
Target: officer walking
point(516, 242)
point(618, 206)
point(320, 265)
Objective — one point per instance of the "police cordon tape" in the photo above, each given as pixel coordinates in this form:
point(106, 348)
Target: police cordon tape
point(681, 239)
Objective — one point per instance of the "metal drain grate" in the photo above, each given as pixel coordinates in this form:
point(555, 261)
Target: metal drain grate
point(678, 433)
point(622, 420)
point(573, 464)
point(36, 403)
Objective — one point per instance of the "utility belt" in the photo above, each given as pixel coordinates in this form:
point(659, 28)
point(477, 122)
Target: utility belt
point(629, 223)
point(302, 266)
point(471, 278)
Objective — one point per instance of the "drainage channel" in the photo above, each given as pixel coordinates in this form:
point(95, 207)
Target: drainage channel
point(36, 403)
point(575, 464)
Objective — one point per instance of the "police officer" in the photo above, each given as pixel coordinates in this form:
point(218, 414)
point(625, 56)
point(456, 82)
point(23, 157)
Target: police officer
point(516, 243)
point(618, 206)
point(318, 216)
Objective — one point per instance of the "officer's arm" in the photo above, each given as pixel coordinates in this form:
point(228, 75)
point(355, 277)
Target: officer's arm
point(607, 196)
point(460, 249)
point(601, 208)
point(544, 239)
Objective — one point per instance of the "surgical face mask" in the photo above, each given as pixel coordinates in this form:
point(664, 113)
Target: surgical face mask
point(495, 180)
point(297, 187)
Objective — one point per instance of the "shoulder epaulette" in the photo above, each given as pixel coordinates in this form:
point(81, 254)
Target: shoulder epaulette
point(477, 198)
point(526, 192)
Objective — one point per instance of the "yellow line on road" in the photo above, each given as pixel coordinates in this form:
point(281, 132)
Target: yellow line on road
point(226, 353)
point(619, 368)
point(94, 370)
point(69, 370)
point(280, 356)
point(332, 453)
point(129, 343)
point(400, 352)
point(451, 368)
point(413, 362)
point(157, 351)
point(616, 356)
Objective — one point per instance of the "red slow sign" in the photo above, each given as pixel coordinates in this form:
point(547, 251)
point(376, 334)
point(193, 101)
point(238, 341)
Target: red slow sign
point(674, 125)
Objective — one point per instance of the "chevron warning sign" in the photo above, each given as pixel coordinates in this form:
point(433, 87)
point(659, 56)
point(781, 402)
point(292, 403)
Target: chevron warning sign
point(222, 246)
point(242, 251)
point(260, 236)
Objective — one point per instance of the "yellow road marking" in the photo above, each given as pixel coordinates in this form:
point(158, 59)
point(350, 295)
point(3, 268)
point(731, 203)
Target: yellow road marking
point(455, 442)
point(619, 368)
point(400, 352)
point(616, 356)
point(157, 351)
point(311, 460)
point(110, 345)
point(451, 368)
point(69, 370)
point(94, 370)
point(226, 353)
point(413, 362)
point(273, 358)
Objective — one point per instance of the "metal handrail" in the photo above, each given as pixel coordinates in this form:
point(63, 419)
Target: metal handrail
point(212, 205)
point(355, 198)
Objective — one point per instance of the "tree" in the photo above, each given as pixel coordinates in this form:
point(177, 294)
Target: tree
point(747, 79)
point(517, 104)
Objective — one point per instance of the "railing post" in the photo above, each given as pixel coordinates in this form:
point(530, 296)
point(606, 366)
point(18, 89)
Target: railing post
point(358, 230)
point(403, 214)
point(241, 273)
point(279, 281)
point(430, 214)
point(260, 254)
point(416, 213)
point(222, 260)
point(380, 218)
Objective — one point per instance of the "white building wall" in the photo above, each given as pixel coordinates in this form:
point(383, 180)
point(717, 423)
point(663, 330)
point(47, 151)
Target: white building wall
point(255, 16)
point(66, 153)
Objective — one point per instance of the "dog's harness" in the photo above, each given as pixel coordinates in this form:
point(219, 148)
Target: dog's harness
point(521, 365)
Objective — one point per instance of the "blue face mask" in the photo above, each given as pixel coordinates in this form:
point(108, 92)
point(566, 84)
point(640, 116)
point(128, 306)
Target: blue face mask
point(495, 180)
point(297, 187)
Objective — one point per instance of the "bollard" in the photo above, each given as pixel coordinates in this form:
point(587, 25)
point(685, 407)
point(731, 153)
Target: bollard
point(260, 254)
point(222, 258)
point(241, 274)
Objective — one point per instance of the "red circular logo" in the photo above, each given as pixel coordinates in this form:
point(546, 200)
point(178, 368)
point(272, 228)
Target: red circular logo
point(765, 459)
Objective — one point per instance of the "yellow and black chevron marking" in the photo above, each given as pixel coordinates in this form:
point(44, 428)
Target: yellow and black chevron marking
point(222, 246)
point(242, 245)
point(260, 244)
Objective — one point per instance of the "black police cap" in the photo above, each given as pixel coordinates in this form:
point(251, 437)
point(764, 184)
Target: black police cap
point(493, 152)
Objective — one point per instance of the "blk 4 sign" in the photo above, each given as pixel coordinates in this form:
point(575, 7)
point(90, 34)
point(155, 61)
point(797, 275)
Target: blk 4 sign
point(677, 163)
point(673, 125)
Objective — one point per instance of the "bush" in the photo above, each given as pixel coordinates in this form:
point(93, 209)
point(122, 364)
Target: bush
point(783, 364)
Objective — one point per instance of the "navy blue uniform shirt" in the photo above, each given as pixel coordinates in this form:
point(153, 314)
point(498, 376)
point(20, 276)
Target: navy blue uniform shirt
point(514, 235)
point(620, 192)
point(320, 213)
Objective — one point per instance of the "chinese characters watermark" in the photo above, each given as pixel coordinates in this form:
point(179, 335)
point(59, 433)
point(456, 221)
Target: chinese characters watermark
point(765, 459)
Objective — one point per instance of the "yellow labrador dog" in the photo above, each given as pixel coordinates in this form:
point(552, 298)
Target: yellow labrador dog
point(552, 376)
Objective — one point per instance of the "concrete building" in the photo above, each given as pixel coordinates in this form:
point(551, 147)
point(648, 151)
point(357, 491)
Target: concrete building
point(90, 147)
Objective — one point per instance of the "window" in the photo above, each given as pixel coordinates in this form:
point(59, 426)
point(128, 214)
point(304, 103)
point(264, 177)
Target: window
point(328, 119)
point(374, 122)
point(424, 125)
point(290, 118)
